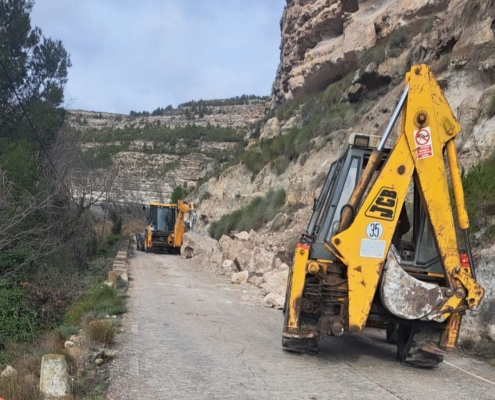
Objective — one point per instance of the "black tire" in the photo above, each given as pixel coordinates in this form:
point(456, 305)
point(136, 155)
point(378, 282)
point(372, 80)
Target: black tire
point(405, 336)
point(392, 333)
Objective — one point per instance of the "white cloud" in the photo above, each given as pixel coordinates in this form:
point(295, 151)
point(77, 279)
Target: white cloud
point(130, 55)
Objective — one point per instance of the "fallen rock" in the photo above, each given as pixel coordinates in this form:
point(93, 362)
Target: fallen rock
point(228, 266)
point(243, 236)
point(256, 280)
point(491, 331)
point(69, 343)
point(276, 283)
point(274, 300)
point(9, 372)
point(195, 245)
point(240, 277)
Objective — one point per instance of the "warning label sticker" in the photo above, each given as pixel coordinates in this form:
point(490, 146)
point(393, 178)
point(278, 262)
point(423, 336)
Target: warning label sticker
point(422, 137)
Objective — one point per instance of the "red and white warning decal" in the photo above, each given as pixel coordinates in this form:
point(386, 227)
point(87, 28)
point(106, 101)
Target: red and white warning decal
point(422, 137)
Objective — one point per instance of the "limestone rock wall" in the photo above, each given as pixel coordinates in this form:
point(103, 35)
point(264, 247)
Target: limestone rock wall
point(322, 40)
point(234, 116)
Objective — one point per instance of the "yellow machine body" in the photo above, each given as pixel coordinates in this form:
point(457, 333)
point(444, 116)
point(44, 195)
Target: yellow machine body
point(165, 229)
point(361, 246)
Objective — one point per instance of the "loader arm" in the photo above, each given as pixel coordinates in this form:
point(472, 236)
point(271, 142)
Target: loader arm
point(175, 240)
point(428, 127)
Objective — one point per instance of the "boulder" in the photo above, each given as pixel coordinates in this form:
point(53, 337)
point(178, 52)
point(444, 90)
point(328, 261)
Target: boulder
point(240, 277)
point(274, 300)
point(256, 280)
point(257, 261)
point(194, 245)
point(279, 222)
point(270, 129)
point(276, 282)
point(228, 266)
point(243, 236)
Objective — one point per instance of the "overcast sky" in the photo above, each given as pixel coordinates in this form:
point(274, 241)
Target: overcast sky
point(143, 54)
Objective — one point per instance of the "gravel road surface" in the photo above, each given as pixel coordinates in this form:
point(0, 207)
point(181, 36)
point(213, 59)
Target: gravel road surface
point(190, 334)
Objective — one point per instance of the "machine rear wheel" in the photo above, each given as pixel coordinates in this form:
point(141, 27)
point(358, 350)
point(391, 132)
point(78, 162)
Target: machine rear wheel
point(413, 353)
point(392, 334)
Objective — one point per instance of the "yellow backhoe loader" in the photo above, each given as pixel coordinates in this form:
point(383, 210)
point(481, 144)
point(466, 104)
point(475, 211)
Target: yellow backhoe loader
point(356, 267)
point(165, 228)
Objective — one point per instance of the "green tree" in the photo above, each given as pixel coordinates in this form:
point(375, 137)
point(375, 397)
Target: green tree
point(177, 194)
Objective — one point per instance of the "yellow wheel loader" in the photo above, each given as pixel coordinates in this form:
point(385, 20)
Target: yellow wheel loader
point(356, 267)
point(165, 228)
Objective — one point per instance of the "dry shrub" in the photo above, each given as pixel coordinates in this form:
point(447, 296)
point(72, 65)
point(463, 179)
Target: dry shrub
point(20, 388)
point(25, 386)
point(101, 331)
point(134, 225)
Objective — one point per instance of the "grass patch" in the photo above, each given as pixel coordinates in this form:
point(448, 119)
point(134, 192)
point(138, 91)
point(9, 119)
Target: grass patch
point(101, 331)
point(66, 331)
point(375, 53)
point(279, 165)
point(427, 26)
point(399, 37)
point(102, 300)
point(479, 191)
point(322, 114)
point(257, 213)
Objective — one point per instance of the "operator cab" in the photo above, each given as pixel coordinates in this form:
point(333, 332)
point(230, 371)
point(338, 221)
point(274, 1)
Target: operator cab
point(162, 218)
point(417, 249)
point(342, 178)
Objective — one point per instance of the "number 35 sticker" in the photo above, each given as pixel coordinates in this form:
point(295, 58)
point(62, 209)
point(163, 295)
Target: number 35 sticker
point(374, 230)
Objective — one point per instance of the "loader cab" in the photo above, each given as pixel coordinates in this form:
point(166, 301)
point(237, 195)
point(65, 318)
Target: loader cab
point(418, 250)
point(162, 217)
point(340, 182)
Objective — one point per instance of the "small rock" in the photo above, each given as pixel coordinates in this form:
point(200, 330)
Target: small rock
point(240, 277)
point(283, 267)
point(274, 300)
point(114, 316)
point(68, 344)
point(243, 236)
point(491, 331)
point(256, 280)
point(228, 266)
point(99, 361)
point(108, 354)
point(9, 372)
point(277, 263)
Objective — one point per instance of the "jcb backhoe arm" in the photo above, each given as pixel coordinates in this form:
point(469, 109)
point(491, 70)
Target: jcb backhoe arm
point(363, 244)
point(175, 240)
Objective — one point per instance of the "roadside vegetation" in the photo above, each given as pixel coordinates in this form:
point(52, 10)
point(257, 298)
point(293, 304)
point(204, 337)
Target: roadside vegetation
point(257, 213)
point(479, 190)
point(322, 115)
point(53, 248)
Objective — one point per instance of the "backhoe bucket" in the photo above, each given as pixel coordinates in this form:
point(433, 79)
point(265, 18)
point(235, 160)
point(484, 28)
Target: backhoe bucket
point(404, 296)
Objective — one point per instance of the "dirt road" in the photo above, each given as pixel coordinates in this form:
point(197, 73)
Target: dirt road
point(190, 334)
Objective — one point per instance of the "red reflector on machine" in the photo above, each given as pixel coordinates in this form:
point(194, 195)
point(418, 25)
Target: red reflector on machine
point(303, 246)
point(464, 260)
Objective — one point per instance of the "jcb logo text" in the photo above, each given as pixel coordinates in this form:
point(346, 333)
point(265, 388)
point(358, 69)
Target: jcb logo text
point(384, 205)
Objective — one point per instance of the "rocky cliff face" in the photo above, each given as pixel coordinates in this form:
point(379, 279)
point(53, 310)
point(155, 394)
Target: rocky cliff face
point(322, 40)
point(143, 176)
point(233, 116)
